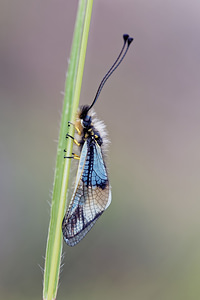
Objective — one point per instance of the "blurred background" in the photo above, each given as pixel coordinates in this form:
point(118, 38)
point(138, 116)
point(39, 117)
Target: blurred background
point(147, 244)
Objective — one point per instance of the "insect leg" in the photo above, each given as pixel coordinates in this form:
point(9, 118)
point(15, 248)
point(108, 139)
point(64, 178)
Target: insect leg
point(74, 140)
point(75, 156)
point(77, 129)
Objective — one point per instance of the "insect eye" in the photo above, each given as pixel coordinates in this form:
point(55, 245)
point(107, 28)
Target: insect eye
point(86, 121)
point(87, 118)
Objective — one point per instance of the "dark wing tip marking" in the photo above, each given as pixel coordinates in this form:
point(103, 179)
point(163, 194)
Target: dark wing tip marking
point(71, 239)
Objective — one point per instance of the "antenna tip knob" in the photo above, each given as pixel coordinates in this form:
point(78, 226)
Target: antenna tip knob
point(125, 37)
point(130, 39)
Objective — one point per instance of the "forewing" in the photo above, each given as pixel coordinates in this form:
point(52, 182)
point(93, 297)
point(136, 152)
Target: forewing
point(91, 196)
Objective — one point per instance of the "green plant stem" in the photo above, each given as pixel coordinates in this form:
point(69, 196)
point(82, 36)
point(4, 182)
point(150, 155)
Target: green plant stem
point(61, 178)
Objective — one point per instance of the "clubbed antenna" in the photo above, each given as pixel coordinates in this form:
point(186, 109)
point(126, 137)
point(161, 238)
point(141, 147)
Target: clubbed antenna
point(122, 54)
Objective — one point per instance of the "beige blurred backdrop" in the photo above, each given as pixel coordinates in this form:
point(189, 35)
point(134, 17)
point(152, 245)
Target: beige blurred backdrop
point(147, 244)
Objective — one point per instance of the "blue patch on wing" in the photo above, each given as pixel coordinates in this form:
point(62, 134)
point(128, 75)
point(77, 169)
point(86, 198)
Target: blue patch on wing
point(94, 172)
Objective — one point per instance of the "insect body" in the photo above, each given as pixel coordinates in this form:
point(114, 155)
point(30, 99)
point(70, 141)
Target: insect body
point(92, 191)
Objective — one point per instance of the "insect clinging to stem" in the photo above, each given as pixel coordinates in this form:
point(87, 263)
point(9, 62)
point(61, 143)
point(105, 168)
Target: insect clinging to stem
point(92, 191)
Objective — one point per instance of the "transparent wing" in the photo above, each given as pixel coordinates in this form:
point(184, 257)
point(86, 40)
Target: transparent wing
point(91, 196)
